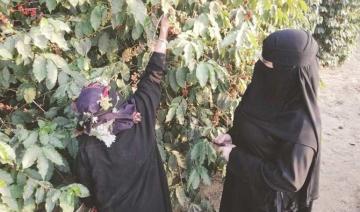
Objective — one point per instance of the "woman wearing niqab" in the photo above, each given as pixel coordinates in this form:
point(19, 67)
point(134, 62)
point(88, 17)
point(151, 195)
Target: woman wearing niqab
point(118, 159)
point(273, 148)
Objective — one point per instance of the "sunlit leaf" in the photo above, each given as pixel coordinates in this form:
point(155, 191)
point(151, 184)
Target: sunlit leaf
point(30, 156)
point(39, 68)
point(53, 155)
point(51, 75)
point(202, 73)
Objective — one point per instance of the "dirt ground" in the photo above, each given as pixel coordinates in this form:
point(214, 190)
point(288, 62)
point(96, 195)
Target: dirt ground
point(340, 171)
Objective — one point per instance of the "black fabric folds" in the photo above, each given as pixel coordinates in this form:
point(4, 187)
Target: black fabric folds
point(129, 175)
point(277, 128)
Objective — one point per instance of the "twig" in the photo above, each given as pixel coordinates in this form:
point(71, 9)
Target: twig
point(39, 106)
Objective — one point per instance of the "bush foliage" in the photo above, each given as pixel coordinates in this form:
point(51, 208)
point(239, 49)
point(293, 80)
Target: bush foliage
point(50, 49)
point(338, 30)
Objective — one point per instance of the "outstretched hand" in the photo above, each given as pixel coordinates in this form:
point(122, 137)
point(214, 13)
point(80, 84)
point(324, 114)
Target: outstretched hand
point(161, 43)
point(223, 140)
point(136, 117)
point(225, 151)
point(224, 143)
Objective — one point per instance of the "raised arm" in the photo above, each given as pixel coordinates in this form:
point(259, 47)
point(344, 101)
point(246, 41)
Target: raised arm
point(148, 93)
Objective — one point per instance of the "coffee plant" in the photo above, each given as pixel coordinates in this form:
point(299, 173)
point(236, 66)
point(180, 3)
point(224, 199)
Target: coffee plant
point(50, 49)
point(338, 30)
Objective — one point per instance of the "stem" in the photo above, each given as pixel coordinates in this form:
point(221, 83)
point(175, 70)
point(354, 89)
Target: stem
point(39, 106)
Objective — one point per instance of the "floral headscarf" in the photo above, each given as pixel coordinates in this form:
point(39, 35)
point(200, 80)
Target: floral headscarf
point(103, 113)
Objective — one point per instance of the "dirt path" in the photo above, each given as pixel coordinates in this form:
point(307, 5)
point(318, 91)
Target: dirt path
point(340, 107)
point(340, 170)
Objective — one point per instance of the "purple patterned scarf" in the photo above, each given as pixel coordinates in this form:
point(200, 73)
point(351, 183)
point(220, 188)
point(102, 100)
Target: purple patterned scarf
point(92, 114)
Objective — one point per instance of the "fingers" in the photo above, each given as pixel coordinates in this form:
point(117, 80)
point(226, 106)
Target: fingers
point(219, 139)
point(136, 117)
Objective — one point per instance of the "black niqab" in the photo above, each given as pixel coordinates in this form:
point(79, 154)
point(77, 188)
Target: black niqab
point(281, 103)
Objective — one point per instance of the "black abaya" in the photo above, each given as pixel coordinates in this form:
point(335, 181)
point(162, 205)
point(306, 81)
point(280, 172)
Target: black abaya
point(129, 176)
point(275, 164)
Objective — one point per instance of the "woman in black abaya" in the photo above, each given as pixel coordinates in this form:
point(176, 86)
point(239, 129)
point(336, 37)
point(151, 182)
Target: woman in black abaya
point(118, 159)
point(273, 148)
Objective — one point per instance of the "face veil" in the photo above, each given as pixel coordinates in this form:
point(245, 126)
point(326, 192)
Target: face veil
point(282, 101)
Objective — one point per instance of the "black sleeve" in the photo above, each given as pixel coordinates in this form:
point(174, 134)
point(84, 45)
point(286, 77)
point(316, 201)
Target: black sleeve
point(83, 175)
point(148, 93)
point(287, 173)
point(233, 131)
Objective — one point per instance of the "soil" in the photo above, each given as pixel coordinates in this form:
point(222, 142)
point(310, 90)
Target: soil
point(339, 100)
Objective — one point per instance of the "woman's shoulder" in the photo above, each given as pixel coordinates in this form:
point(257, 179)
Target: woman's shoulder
point(86, 141)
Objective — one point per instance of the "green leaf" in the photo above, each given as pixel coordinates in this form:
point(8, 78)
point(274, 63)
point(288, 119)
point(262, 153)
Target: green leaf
point(82, 46)
point(172, 80)
point(170, 114)
point(194, 179)
point(73, 147)
point(189, 56)
point(29, 205)
point(31, 173)
point(229, 39)
point(29, 188)
point(83, 28)
point(138, 10)
point(6, 177)
point(97, 16)
point(104, 43)
point(198, 50)
point(180, 111)
point(67, 201)
point(30, 156)
point(53, 155)
point(181, 77)
point(5, 54)
point(205, 176)
point(181, 196)
point(17, 189)
point(51, 199)
point(51, 5)
point(116, 6)
point(51, 76)
point(11, 203)
point(241, 35)
point(212, 76)
point(4, 138)
point(5, 77)
point(39, 195)
point(29, 94)
point(52, 112)
point(42, 165)
point(23, 46)
point(7, 153)
point(31, 139)
point(58, 38)
point(201, 24)
point(56, 142)
point(79, 190)
point(180, 160)
point(196, 150)
point(59, 25)
point(7, 47)
point(44, 137)
point(39, 68)
point(74, 3)
point(136, 31)
point(173, 107)
point(202, 73)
